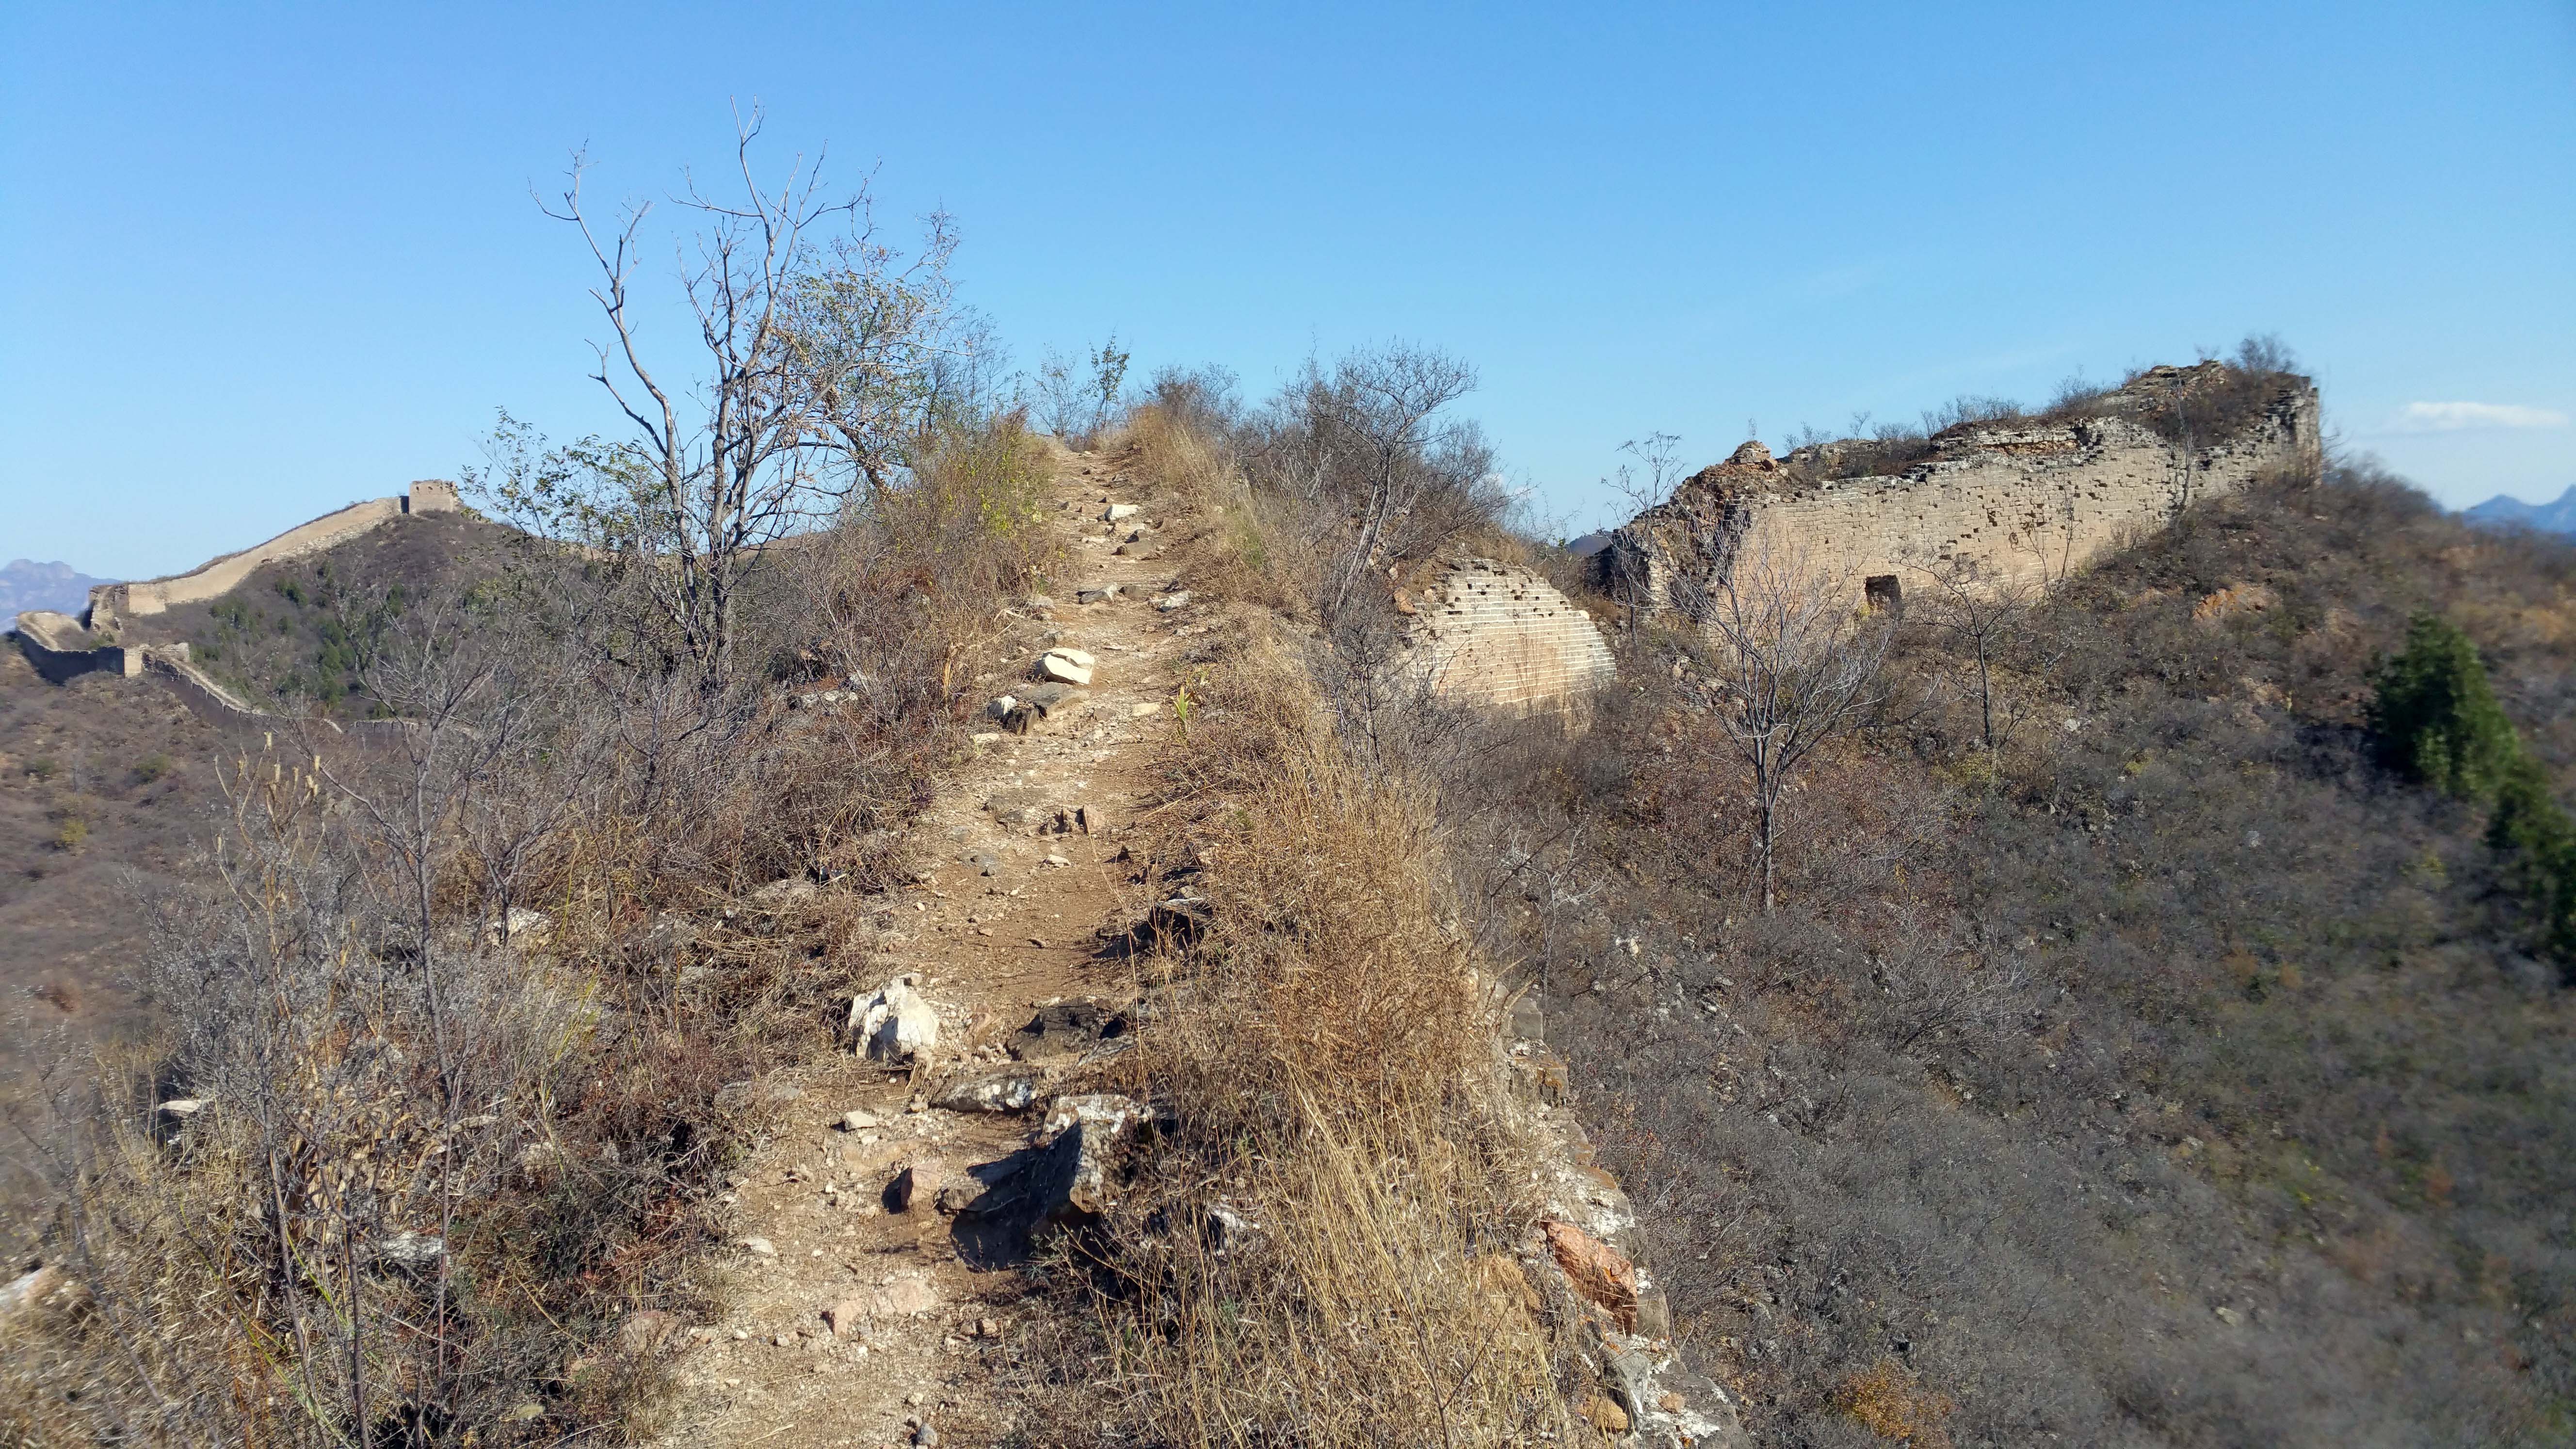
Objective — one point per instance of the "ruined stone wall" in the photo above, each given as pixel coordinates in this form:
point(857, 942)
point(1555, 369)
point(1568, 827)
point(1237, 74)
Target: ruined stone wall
point(2010, 501)
point(110, 604)
point(60, 651)
point(1499, 636)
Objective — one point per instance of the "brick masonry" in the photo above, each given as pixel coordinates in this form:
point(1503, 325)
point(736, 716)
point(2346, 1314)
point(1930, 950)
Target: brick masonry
point(1497, 635)
point(2015, 501)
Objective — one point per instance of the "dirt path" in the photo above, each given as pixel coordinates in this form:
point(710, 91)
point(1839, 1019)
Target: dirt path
point(854, 1323)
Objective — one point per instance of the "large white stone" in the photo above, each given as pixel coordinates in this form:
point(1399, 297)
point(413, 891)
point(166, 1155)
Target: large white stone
point(1119, 512)
point(894, 1025)
point(1063, 670)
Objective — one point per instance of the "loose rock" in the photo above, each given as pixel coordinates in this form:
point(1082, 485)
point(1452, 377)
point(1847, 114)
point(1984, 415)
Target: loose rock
point(896, 1024)
point(907, 1185)
point(1082, 1136)
point(1599, 1272)
point(1008, 1092)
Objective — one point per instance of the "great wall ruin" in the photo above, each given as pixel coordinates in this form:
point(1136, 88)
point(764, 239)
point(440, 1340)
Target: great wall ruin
point(2010, 501)
point(62, 647)
point(2015, 500)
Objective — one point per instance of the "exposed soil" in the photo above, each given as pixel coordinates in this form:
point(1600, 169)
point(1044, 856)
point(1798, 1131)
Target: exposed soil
point(937, 1303)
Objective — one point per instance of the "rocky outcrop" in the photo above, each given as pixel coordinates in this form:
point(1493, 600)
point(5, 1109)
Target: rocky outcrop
point(2019, 499)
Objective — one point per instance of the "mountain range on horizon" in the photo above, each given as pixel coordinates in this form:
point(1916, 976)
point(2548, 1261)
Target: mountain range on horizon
point(2501, 511)
point(26, 584)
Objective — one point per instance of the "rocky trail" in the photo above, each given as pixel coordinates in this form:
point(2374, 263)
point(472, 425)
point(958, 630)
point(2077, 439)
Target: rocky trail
point(873, 1303)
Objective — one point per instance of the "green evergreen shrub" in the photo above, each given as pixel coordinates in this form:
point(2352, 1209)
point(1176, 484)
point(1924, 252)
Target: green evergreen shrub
point(2540, 835)
point(2435, 719)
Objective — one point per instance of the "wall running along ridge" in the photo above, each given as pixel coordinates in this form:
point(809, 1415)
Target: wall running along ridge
point(2003, 502)
point(111, 604)
point(1499, 636)
point(61, 647)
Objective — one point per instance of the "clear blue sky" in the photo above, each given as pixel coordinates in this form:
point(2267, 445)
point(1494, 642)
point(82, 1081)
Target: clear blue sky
point(262, 260)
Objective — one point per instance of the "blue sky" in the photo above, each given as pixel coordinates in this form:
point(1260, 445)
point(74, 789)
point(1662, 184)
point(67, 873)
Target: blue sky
point(261, 260)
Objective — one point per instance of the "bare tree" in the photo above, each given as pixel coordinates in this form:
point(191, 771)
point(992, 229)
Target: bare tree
point(1368, 451)
point(1075, 396)
point(1987, 619)
point(817, 352)
point(1792, 663)
point(1660, 456)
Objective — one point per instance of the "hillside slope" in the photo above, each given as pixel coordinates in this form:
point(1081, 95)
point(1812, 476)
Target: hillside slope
point(2171, 1076)
point(106, 786)
point(296, 635)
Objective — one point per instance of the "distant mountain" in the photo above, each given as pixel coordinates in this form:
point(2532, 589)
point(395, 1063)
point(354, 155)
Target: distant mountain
point(2503, 512)
point(26, 584)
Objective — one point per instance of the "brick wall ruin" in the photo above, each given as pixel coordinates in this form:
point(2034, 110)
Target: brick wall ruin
point(2019, 499)
point(1497, 635)
point(62, 648)
point(110, 604)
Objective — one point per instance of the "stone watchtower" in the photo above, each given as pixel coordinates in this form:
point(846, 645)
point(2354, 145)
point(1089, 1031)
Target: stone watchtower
point(431, 495)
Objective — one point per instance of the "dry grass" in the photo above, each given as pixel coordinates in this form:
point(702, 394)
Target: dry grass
point(1324, 1249)
point(382, 1076)
point(1244, 551)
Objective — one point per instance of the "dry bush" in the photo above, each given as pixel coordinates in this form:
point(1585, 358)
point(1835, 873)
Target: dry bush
point(1244, 551)
point(350, 1236)
point(436, 1172)
point(1333, 981)
point(1369, 1298)
point(1325, 1055)
point(2056, 1050)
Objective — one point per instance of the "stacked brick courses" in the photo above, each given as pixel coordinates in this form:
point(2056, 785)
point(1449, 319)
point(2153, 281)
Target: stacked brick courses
point(1499, 636)
point(2007, 501)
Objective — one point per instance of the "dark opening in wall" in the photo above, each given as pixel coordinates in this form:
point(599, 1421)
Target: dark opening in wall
point(1882, 592)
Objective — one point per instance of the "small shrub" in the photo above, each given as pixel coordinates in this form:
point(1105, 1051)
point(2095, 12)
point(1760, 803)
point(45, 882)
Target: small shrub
point(1886, 1400)
point(2539, 833)
point(2435, 718)
point(151, 768)
point(71, 833)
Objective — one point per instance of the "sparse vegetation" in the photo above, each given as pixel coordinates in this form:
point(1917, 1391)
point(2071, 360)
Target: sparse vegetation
point(443, 1154)
point(2171, 1072)
point(1325, 1059)
point(2124, 1015)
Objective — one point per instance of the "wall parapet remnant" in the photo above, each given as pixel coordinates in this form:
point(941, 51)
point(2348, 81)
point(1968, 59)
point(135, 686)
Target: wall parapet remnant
point(2010, 500)
point(111, 604)
point(1498, 636)
point(62, 648)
